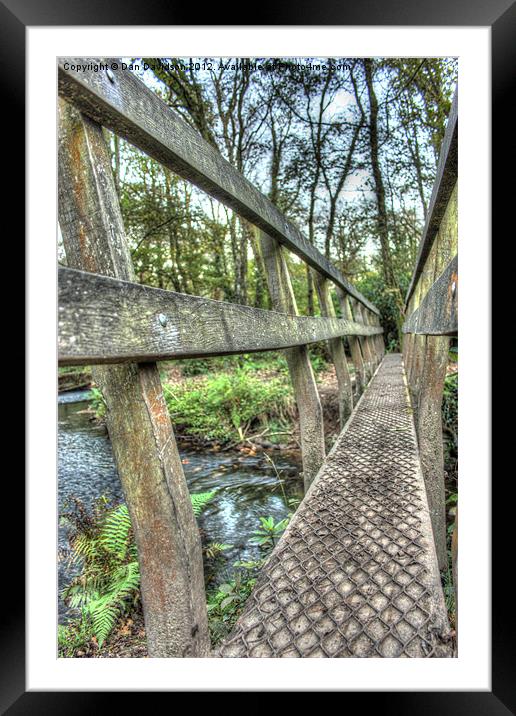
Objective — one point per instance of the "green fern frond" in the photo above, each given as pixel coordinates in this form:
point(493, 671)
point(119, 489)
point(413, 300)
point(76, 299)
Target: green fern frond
point(115, 536)
point(109, 581)
point(107, 608)
point(200, 501)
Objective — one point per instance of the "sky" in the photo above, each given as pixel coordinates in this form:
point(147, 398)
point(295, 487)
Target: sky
point(358, 185)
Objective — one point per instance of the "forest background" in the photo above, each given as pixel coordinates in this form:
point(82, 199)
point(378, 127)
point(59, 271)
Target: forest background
point(346, 148)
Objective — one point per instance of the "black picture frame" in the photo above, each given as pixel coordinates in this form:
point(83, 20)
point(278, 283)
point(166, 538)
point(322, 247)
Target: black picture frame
point(500, 16)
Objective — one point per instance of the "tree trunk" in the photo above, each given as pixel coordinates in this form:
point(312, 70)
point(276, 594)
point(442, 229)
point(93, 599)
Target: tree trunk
point(382, 220)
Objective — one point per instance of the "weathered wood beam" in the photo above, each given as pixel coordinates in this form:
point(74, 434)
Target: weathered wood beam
point(311, 425)
point(379, 336)
point(428, 355)
point(437, 314)
point(413, 350)
point(104, 320)
point(446, 177)
point(431, 383)
point(375, 346)
point(123, 104)
point(336, 350)
point(147, 459)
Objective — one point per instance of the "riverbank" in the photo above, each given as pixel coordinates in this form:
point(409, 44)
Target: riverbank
point(235, 402)
point(251, 474)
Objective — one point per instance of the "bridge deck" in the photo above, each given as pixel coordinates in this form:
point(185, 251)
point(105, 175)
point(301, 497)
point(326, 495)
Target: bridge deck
point(355, 574)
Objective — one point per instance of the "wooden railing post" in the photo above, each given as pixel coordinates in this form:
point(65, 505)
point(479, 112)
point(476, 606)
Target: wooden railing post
point(415, 357)
point(167, 536)
point(337, 351)
point(354, 344)
point(379, 338)
point(365, 342)
point(300, 368)
point(434, 360)
point(375, 346)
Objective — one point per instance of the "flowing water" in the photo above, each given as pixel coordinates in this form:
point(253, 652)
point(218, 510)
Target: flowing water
point(248, 487)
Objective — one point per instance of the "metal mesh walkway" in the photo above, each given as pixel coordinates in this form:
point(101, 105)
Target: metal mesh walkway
point(355, 574)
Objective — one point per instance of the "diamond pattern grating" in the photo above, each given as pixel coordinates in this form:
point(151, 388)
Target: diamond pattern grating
point(355, 574)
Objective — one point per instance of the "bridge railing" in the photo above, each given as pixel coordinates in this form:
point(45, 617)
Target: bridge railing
point(431, 320)
point(122, 328)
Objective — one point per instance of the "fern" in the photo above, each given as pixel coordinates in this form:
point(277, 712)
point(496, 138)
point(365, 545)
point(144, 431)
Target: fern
point(121, 590)
point(103, 546)
point(110, 579)
point(200, 501)
point(116, 533)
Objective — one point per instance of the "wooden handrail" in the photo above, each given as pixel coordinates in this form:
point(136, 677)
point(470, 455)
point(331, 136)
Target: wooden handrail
point(437, 314)
point(446, 176)
point(123, 104)
point(106, 320)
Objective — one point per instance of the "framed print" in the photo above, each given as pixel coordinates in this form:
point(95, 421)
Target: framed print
point(224, 218)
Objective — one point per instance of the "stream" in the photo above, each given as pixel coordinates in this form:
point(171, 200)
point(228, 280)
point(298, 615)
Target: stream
point(247, 487)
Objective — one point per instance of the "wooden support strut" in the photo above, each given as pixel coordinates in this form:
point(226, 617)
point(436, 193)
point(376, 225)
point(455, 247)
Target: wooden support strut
point(380, 338)
point(147, 459)
point(354, 344)
point(437, 313)
point(337, 351)
point(301, 373)
point(415, 356)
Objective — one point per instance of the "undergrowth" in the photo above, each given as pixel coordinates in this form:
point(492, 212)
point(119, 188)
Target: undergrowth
point(107, 586)
point(450, 415)
point(228, 406)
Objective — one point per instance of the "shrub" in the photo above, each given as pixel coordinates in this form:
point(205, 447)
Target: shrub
point(224, 407)
point(225, 603)
point(387, 301)
point(98, 403)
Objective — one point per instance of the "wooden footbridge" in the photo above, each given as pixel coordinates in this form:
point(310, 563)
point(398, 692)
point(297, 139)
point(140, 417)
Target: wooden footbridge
point(356, 574)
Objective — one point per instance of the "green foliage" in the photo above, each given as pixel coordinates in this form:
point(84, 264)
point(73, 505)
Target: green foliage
point(225, 603)
point(269, 531)
point(108, 584)
point(387, 301)
point(200, 501)
point(269, 361)
point(449, 590)
point(215, 549)
point(319, 357)
point(224, 407)
point(74, 636)
point(98, 403)
point(450, 416)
